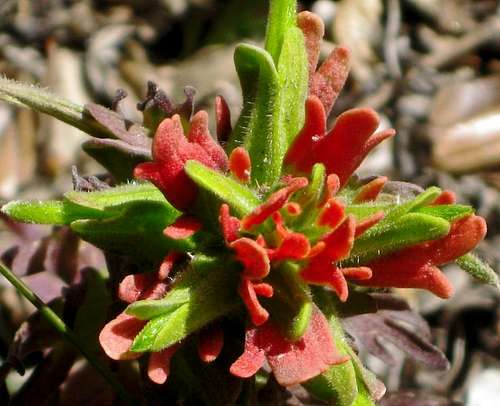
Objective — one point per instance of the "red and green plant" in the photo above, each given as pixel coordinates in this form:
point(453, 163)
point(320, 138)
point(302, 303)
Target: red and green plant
point(260, 256)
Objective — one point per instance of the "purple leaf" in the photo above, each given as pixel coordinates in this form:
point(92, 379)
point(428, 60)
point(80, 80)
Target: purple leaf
point(396, 323)
point(45, 284)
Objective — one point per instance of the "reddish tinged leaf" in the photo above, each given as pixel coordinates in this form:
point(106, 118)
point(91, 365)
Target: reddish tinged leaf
point(299, 153)
point(329, 80)
point(258, 314)
point(313, 29)
point(343, 149)
point(184, 227)
point(371, 190)
point(159, 364)
point(117, 336)
point(332, 213)
point(171, 151)
point(368, 222)
point(446, 197)
point(275, 202)
point(415, 267)
point(199, 134)
point(210, 342)
point(253, 257)
point(291, 362)
point(132, 287)
point(222, 119)
point(230, 225)
point(240, 164)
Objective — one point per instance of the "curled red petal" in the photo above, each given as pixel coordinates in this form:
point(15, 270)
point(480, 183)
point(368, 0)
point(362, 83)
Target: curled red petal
point(199, 134)
point(159, 364)
point(275, 202)
point(251, 360)
point(300, 152)
point(183, 227)
point(230, 225)
point(263, 289)
point(132, 287)
point(149, 171)
point(340, 241)
point(253, 257)
point(368, 222)
point(446, 197)
point(332, 213)
point(344, 148)
point(210, 343)
point(330, 78)
point(293, 208)
point(257, 313)
point(371, 190)
point(313, 29)
point(359, 273)
point(317, 248)
point(222, 119)
point(117, 336)
point(240, 164)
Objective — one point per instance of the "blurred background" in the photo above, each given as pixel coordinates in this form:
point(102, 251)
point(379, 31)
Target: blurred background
point(431, 68)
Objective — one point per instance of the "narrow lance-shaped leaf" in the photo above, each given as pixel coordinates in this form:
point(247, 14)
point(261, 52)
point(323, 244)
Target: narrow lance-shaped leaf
point(282, 16)
point(41, 100)
point(478, 269)
point(409, 229)
point(240, 198)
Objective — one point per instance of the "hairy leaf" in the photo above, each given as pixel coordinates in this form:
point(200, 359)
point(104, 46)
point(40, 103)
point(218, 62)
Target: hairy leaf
point(478, 269)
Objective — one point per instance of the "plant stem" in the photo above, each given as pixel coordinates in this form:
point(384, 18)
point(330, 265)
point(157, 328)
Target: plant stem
point(57, 323)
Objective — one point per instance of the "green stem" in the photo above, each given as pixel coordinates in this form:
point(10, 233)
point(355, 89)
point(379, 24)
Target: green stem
point(57, 323)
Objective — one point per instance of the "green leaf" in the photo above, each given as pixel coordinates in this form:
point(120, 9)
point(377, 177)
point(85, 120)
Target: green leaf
point(136, 231)
point(423, 199)
point(449, 212)
point(209, 287)
point(478, 269)
point(240, 198)
point(37, 212)
point(383, 238)
point(291, 306)
point(293, 75)
point(38, 99)
point(282, 16)
point(257, 128)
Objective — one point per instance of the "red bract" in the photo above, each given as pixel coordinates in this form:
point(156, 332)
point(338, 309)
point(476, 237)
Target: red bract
point(415, 267)
point(171, 150)
point(291, 362)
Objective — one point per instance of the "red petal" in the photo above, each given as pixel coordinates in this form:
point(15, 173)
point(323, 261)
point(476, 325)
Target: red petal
point(332, 213)
point(275, 202)
point(230, 225)
point(210, 342)
point(359, 273)
point(167, 265)
point(368, 222)
point(317, 248)
point(240, 164)
point(293, 208)
point(371, 190)
point(340, 241)
point(149, 171)
point(117, 336)
point(293, 246)
point(263, 289)
point(313, 29)
point(159, 364)
point(222, 119)
point(252, 358)
point(300, 152)
point(184, 227)
point(447, 197)
point(343, 149)
point(253, 257)
point(133, 286)
point(329, 80)
point(414, 267)
point(199, 134)
point(322, 272)
point(258, 314)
